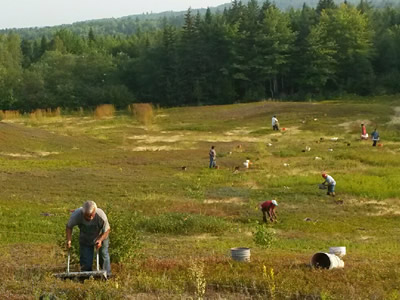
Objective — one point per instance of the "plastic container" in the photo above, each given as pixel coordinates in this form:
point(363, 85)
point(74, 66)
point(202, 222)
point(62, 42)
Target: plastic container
point(240, 254)
point(338, 251)
point(326, 261)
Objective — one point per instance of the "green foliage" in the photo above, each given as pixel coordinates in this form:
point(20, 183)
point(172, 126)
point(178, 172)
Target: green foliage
point(182, 223)
point(249, 52)
point(264, 236)
point(125, 240)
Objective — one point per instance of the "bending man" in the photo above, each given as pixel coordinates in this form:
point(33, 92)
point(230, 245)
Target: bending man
point(268, 207)
point(94, 229)
point(331, 184)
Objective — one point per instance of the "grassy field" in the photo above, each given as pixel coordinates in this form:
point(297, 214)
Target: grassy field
point(172, 229)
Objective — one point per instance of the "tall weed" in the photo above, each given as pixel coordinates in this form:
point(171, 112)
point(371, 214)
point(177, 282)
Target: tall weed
point(104, 111)
point(9, 114)
point(143, 112)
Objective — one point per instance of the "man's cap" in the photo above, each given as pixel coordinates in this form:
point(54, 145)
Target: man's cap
point(324, 174)
point(274, 202)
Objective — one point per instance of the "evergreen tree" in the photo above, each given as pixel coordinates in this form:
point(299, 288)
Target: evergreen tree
point(324, 5)
point(91, 37)
point(276, 41)
point(364, 6)
point(353, 49)
point(10, 70)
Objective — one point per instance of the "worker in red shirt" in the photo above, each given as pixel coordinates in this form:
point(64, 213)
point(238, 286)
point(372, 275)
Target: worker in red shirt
point(268, 207)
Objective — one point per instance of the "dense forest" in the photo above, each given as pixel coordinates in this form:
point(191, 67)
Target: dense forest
point(248, 51)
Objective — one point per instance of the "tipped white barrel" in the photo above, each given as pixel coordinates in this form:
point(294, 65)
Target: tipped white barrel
point(339, 251)
point(240, 254)
point(326, 261)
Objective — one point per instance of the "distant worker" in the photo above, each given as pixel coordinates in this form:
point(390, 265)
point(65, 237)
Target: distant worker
point(213, 157)
point(268, 208)
point(364, 134)
point(331, 184)
point(375, 137)
point(94, 229)
point(275, 123)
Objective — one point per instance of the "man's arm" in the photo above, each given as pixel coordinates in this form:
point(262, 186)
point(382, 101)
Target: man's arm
point(101, 238)
point(68, 233)
point(273, 215)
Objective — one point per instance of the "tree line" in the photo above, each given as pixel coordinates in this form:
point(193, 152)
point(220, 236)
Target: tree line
point(247, 52)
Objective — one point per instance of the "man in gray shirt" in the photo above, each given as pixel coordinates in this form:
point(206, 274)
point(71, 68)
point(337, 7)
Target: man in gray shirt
point(94, 229)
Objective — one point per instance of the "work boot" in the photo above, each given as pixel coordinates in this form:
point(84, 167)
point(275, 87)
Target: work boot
point(328, 193)
point(333, 194)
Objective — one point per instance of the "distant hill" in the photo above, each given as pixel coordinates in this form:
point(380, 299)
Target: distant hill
point(150, 21)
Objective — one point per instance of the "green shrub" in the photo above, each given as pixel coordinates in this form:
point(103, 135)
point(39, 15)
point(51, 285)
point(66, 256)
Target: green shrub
point(181, 223)
point(264, 236)
point(125, 241)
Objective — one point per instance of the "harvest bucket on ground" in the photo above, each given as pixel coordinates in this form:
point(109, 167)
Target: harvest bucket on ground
point(324, 260)
point(240, 254)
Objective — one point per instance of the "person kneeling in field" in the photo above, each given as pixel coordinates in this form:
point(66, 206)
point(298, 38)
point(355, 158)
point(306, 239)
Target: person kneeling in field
point(268, 207)
point(94, 229)
point(331, 184)
point(275, 123)
point(375, 137)
point(364, 134)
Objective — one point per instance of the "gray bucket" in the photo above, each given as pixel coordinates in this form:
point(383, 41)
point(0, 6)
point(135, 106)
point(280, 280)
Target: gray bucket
point(240, 254)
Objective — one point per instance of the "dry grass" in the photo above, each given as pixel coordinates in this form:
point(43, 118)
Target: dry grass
point(143, 112)
point(45, 113)
point(104, 111)
point(9, 114)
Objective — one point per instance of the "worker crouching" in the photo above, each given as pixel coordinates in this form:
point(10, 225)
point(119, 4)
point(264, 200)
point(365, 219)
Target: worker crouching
point(94, 230)
point(268, 208)
point(331, 183)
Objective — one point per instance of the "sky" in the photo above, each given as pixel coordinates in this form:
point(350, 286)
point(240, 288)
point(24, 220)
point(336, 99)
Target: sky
point(39, 13)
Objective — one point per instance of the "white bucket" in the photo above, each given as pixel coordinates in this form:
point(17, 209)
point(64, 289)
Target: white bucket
point(240, 254)
point(339, 251)
point(326, 261)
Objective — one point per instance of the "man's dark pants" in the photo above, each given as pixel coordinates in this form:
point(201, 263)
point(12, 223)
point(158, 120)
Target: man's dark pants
point(265, 211)
point(87, 253)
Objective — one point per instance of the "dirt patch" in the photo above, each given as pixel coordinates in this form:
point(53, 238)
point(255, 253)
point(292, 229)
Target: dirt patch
point(383, 211)
point(104, 127)
point(396, 118)
point(44, 153)
point(292, 130)
point(156, 148)
point(252, 185)
point(382, 207)
point(19, 155)
point(234, 200)
point(238, 131)
point(149, 139)
point(348, 126)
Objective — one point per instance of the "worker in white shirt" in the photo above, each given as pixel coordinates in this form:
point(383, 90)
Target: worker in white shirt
point(275, 123)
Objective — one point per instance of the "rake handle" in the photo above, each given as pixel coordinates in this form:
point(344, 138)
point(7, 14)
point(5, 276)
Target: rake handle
point(68, 260)
point(97, 259)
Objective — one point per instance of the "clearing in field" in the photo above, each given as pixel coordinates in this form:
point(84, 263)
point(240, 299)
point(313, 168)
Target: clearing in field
point(173, 220)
